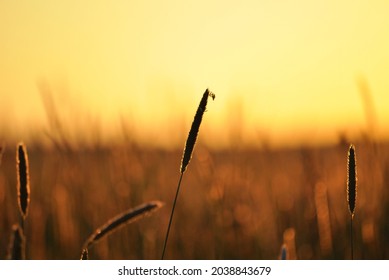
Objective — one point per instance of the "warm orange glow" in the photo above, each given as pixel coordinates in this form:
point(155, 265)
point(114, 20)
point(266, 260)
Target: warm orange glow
point(286, 71)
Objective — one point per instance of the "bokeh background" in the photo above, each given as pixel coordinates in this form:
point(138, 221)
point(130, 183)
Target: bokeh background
point(103, 94)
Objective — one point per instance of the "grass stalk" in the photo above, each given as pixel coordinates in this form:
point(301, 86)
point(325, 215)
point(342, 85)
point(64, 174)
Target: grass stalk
point(84, 254)
point(351, 238)
point(120, 220)
point(351, 190)
point(187, 154)
point(171, 217)
point(17, 244)
point(284, 252)
point(23, 181)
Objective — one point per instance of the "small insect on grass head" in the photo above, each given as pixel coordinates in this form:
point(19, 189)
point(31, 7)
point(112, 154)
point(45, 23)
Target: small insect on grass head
point(351, 180)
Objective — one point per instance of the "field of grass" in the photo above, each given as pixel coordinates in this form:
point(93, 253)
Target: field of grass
point(234, 204)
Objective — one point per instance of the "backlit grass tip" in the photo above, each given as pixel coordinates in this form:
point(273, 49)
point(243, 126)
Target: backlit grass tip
point(194, 130)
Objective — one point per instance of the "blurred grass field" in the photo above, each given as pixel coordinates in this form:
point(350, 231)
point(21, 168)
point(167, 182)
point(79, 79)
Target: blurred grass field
point(103, 94)
point(234, 203)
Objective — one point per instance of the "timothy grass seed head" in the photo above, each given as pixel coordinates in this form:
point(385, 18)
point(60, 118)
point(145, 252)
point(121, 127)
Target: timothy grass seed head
point(194, 130)
point(351, 180)
point(23, 180)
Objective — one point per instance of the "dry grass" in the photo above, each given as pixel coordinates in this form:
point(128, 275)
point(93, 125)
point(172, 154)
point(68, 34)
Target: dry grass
point(194, 130)
point(351, 190)
point(351, 180)
point(85, 254)
point(23, 182)
point(243, 201)
point(121, 220)
point(17, 245)
point(187, 154)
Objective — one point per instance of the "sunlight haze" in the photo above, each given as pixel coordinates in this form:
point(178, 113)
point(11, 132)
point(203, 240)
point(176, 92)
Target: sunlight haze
point(282, 71)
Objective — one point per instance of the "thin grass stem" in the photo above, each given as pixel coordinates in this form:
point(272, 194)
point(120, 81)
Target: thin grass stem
point(171, 217)
point(351, 238)
point(351, 190)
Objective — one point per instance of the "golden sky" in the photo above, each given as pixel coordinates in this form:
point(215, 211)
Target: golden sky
point(281, 70)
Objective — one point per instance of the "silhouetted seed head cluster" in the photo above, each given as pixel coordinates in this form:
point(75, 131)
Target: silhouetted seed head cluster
point(23, 185)
point(120, 220)
point(187, 155)
point(194, 130)
point(351, 180)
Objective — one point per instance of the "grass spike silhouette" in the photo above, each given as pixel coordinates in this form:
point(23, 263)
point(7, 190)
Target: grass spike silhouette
point(187, 154)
